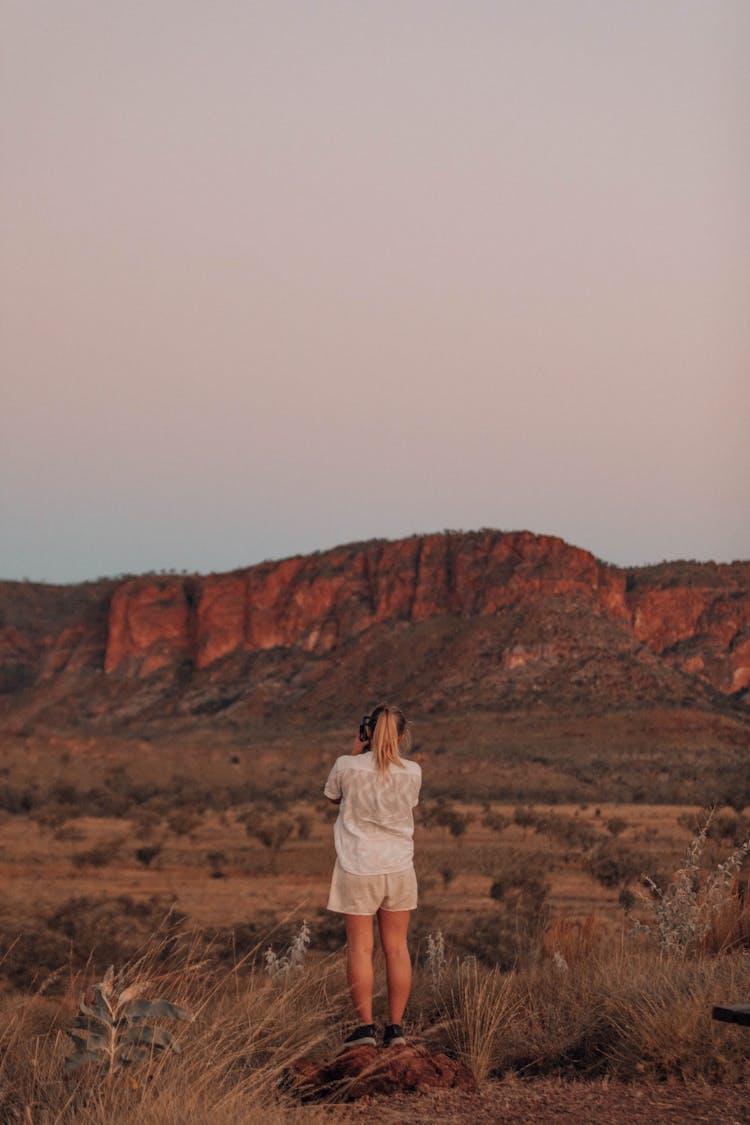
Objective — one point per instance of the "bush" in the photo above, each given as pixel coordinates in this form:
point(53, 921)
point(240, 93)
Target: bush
point(17, 801)
point(699, 911)
point(512, 934)
point(98, 856)
point(110, 930)
point(183, 821)
point(272, 834)
point(147, 854)
point(613, 864)
point(234, 1059)
point(33, 959)
point(616, 825)
point(567, 829)
point(495, 820)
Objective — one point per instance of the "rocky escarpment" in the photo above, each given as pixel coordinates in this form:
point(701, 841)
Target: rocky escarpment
point(700, 622)
point(544, 602)
point(316, 602)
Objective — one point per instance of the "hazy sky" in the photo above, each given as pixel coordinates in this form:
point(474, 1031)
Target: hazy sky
point(281, 275)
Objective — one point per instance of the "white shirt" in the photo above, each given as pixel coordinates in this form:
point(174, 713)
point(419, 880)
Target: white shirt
point(374, 831)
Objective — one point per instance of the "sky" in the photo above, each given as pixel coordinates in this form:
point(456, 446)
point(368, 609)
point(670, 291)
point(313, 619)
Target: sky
point(280, 275)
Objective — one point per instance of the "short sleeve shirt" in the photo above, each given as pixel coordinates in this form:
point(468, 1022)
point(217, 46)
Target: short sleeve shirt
point(374, 831)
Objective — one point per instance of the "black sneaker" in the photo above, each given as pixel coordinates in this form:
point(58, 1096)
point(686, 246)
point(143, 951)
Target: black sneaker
point(363, 1036)
point(393, 1036)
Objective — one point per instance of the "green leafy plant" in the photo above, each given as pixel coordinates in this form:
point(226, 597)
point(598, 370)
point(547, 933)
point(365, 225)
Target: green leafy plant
point(114, 1027)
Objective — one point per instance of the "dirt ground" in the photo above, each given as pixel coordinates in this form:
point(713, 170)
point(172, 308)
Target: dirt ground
point(539, 1101)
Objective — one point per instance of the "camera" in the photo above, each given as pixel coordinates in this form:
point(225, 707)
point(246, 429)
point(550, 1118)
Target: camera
point(365, 729)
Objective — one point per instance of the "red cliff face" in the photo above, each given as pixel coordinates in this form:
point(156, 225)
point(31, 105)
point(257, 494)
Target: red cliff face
point(149, 626)
point(695, 616)
point(314, 603)
point(698, 617)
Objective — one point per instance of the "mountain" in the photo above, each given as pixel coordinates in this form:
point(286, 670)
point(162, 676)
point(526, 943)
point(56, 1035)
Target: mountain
point(502, 622)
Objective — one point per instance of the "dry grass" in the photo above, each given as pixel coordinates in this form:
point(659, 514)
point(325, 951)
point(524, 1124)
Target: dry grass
point(627, 1011)
point(586, 997)
point(233, 1057)
point(477, 1004)
point(573, 939)
point(631, 1018)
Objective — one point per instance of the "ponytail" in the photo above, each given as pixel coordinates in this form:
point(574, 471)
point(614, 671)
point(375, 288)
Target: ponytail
point(389, 728)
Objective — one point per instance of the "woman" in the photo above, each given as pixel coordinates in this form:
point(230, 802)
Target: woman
point(374, 871)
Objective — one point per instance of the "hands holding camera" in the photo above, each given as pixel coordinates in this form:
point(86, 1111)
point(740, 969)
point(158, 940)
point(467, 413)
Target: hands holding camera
point(362, 741)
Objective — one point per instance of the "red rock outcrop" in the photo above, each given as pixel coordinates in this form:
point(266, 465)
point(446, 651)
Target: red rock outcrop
point(149, 626)
point(315, 602)
point(365, 1071)
point(700, 624)
point(695, 616)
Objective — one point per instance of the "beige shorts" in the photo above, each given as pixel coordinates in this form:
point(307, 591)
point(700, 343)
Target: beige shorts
point(366, 894)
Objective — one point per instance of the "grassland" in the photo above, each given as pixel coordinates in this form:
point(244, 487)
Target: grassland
point(186, 860)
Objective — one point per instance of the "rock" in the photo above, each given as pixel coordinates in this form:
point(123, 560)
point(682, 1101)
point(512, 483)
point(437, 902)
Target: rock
point(366, 1071)
point(533, 602)
point(315, 603)
point(149, 626)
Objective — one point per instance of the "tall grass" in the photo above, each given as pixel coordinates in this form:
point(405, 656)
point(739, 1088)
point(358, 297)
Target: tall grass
point(478, 1004)
point(628, 1011)
point(584, 1005)
point(249, 1029)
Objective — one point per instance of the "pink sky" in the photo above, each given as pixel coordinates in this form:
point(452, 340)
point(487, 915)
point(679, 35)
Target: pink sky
point(281, 275)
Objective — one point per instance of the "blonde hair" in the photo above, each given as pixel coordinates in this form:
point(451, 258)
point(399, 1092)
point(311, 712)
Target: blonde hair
point(389, 729)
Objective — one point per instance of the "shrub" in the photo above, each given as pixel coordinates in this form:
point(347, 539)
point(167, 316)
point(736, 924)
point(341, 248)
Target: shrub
point(690, 910)
point(614, 864)
point(183, 821)
point(447, 874)
point(51, 815)
point(216, 862)
point(147, 854)
point(33, 959)
point(109, 930)
point(524, 816)
point(272, 834)
point(497, 821)
point(435, 957)
point(511, 935)
point(16, 801)
point(616, 825)
point(567, 829)
point(442, 814)
point(98, 856)
point(729, 827)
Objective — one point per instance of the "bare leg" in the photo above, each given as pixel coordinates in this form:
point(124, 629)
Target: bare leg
point(359, 941)
point(393, 926)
